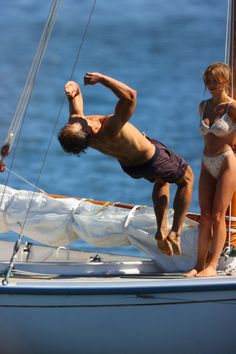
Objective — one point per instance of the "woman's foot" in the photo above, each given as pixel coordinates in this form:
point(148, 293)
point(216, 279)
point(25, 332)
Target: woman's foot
point(209, 271)
point(192, 273)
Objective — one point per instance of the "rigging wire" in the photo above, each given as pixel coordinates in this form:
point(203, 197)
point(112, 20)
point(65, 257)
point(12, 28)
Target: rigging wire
point(17, 122)
point(19, 239)
point(28, 88)
point(25, 180)
point(15, 129)
point(63, 100)
point(83, 39)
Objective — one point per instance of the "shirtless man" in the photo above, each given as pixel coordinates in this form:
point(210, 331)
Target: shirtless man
point(138, 155)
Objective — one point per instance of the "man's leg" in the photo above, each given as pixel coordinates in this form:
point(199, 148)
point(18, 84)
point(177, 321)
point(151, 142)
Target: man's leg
point(182, 202)
point(160, 197)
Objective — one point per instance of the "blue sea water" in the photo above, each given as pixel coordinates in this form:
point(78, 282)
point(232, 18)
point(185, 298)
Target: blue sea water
point(158, 47)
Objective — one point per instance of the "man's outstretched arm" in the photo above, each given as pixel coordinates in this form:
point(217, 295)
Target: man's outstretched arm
point(127, 99)
point(75, 100)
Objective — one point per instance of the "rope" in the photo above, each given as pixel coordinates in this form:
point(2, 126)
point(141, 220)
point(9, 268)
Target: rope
point(83, 39)
point(21, 110)
point(18, 242)
point(14, 131)
point(25, 180)
point(131, 215)
point(27, 91)
point(61, 107)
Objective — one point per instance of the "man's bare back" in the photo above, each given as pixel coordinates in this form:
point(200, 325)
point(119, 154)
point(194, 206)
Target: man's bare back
point(129, 146)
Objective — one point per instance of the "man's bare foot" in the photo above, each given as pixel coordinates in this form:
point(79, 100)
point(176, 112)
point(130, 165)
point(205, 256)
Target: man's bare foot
point(192, 273)
point(174, 239)
point(72, 89)
point(164, 246)
point(209, 271)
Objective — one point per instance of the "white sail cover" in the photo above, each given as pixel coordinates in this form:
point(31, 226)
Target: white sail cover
point(60, 221)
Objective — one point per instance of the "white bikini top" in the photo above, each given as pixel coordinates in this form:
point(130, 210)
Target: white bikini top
point(222, 127)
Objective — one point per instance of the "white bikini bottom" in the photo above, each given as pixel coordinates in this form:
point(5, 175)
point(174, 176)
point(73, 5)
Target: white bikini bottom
point(213, 164)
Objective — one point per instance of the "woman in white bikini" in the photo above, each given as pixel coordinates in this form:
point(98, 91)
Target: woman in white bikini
point(217, 181)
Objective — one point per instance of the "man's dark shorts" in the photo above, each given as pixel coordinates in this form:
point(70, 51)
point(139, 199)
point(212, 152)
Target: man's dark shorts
point(164, 165)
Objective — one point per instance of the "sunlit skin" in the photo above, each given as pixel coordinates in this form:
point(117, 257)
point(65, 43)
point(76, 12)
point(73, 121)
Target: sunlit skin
point(114, 136)
point(215, 194)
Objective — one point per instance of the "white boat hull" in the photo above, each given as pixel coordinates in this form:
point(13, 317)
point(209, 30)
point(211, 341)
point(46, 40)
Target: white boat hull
point(116, 315)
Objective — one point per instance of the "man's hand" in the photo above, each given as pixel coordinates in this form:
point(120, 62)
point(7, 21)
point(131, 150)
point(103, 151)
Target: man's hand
point(72, 89)
point(92, 78)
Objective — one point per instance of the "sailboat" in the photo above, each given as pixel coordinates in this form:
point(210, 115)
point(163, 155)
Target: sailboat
point(54, 299)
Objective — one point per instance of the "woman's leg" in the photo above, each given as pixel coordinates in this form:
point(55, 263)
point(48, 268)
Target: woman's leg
point(226, 185)
point(206, 190)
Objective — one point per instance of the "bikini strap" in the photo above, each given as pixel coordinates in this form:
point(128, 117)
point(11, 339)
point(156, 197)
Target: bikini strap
point(227, 110)
point(203, 108)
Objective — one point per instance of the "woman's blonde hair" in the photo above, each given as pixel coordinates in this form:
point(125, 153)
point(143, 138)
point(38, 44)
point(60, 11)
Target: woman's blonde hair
point(221, 73)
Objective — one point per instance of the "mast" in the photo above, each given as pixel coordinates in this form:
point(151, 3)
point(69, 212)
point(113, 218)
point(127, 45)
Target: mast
point(231, 48)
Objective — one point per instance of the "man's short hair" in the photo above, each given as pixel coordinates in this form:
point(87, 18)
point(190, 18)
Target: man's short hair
point(72, 140)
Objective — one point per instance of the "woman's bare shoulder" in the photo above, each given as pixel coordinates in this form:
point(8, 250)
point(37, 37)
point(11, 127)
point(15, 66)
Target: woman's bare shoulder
point(232, 110)
point(202, 106)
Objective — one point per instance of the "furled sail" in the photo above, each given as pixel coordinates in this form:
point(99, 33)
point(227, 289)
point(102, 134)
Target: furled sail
point(62, 221)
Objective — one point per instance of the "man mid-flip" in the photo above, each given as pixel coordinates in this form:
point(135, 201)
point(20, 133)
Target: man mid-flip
point(139, 156)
